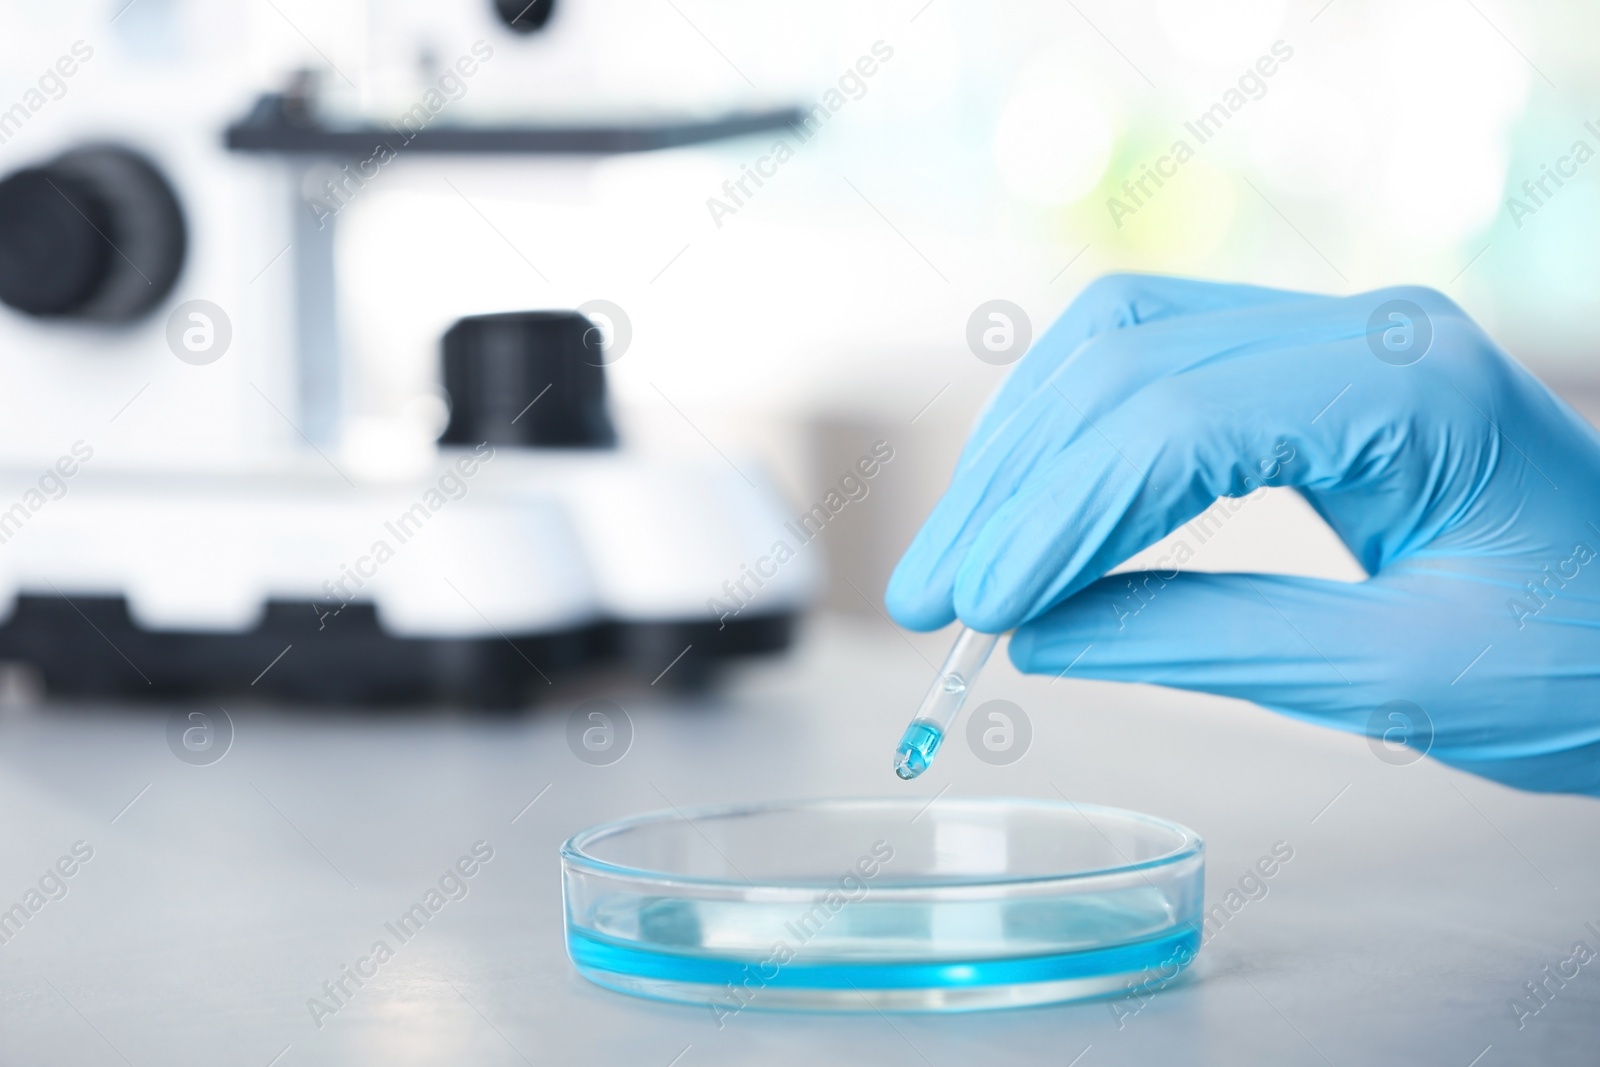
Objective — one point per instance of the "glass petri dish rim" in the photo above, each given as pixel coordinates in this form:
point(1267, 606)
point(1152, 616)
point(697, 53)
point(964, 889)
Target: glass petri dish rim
point(573, 855)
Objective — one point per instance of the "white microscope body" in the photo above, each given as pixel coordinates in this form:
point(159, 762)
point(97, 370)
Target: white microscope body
point(180, 502)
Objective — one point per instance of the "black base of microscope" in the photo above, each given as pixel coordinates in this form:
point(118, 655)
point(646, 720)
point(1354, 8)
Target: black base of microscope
point(90, 647)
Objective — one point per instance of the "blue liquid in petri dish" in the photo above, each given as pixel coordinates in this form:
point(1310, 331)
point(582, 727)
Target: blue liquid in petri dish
point(881, 904)
point(928, 947)
point(918, 745)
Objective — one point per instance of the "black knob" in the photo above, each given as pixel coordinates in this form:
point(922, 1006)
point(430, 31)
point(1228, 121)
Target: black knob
point(95, 234)
point(523, 16)
point(526, 378)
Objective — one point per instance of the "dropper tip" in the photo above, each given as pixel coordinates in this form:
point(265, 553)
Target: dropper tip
point(909, 763)
point(917, 748)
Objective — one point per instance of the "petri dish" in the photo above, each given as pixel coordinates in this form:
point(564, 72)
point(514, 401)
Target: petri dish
point(883, 904)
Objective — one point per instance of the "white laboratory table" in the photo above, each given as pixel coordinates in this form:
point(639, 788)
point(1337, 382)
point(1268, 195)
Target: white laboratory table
point(219, 899)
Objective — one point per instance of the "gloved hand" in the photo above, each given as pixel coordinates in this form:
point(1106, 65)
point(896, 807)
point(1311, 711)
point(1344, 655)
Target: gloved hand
point(1469, 493)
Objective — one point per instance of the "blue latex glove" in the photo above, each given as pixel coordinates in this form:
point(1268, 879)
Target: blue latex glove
point(1469, 493)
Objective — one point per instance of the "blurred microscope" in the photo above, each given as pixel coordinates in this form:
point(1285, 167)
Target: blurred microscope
point(177, 517)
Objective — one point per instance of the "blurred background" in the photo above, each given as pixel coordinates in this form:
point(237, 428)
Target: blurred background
point(992, 152)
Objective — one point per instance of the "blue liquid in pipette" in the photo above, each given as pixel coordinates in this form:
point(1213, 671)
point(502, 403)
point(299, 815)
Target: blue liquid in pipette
point(917, 747)
point(922, 739)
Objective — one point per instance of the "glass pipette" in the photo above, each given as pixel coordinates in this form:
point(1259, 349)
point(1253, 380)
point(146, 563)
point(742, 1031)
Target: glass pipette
point(921, 741)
